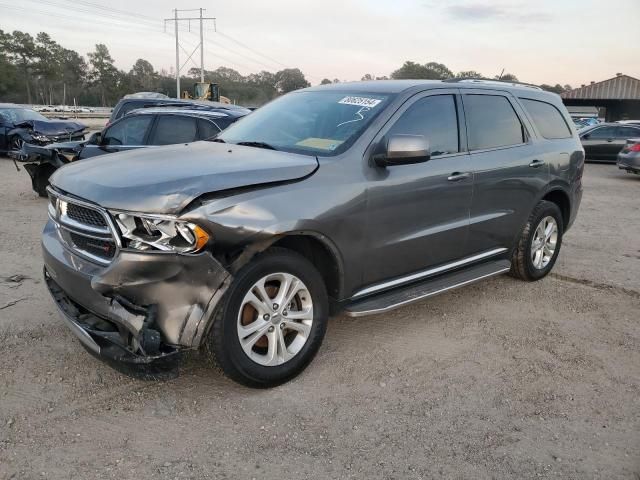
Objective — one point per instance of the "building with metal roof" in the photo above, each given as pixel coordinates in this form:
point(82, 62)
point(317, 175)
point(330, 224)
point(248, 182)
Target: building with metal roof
point(618, 96)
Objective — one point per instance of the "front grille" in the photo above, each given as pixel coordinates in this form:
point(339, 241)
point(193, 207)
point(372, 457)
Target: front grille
point(85, 215)
point(100, 248)
point(83, 228)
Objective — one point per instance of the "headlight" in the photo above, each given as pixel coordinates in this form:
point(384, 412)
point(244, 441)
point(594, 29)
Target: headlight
point(40, 138)
point(160, 233)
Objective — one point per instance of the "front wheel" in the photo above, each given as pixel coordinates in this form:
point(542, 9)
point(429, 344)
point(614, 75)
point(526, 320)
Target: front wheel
point(271, 322)
point(539, 244)
point(16, 143)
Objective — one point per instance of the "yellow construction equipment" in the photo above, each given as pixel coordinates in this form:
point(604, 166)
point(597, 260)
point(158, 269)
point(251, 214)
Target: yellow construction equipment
point(205, 91)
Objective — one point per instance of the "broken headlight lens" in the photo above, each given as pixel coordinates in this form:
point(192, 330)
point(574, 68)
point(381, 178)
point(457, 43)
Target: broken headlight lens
point(40, 138)
point(156, 233)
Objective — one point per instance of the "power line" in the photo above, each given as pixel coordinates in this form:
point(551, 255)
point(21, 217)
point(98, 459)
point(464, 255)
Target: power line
point(176, 19)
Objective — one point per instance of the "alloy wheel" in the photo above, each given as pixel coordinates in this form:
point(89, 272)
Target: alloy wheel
point(275, 319)
point(544, 242)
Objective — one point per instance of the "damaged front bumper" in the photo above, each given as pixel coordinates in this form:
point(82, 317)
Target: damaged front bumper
point(142, 308)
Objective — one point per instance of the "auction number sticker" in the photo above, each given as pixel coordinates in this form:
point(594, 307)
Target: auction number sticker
point(360, 101)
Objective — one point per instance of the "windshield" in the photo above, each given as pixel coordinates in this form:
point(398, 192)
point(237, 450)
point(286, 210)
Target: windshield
point(17, 115)
point(316, 123)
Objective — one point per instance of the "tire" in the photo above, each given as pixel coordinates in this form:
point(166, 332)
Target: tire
point(15, 143)
point(526, 264)
point(258, 363)
point(40, 181)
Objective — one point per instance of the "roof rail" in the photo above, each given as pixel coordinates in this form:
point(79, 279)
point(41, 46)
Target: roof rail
point(487, 81)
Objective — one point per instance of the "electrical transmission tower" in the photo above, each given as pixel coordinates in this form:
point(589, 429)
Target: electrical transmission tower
point(177, 19)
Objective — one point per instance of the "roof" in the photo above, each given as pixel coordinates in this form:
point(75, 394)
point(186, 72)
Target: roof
point(620, 87)
point(146, 95)
point(216, 113)
point(397, 86)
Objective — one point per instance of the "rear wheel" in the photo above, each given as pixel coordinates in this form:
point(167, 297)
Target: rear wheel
point(271, 321)
point(539, 244)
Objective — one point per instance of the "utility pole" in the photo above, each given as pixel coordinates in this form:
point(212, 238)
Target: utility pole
point(201, 50)
point(176, 19)
point(175, 12)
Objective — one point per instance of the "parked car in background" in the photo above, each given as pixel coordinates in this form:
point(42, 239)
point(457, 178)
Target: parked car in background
point(357, 197)
point(604, 141)
point(19, 125)
point(135, 101)
point(629, 156)
point(147, 127)
point(629, 122)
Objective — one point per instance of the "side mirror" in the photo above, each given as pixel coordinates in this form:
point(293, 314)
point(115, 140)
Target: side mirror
point(95, 138)
point(404, 150)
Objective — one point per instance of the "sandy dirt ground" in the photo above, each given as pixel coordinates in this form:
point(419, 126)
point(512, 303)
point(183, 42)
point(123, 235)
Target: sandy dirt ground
point(502, 379)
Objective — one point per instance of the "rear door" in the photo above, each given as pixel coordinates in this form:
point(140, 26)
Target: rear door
point(599, 143)
point(418, 215)
point(508, 171)
point(170, 129)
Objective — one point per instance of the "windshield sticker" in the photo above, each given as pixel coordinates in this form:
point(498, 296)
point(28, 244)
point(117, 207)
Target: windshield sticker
point(320, 143)
point(360, 101)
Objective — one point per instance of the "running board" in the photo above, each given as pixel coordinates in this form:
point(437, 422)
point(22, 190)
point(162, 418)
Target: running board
point(399, 297)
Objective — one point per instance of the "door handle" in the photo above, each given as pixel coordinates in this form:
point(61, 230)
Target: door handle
point(457, 176)
point(536, 163)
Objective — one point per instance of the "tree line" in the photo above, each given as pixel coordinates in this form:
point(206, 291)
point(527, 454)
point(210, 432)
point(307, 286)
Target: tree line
point(39, 70)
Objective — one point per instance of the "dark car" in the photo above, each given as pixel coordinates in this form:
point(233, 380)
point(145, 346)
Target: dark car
point(146, 99)
point(355, 197)
point(603, 142)
point(148, 127)
point(629, 156)
point(19, 125)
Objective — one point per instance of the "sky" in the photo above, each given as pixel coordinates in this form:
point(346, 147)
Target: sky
point(543, 41)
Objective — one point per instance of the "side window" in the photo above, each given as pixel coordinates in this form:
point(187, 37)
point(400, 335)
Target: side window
point(436, 118)
point(224, 122)
point(628, 132)
point(172, 129)
point(129, 106)
point(602, 133)
point(547, 118)
point(129, 131)
point(207, 129)
point(492, 122)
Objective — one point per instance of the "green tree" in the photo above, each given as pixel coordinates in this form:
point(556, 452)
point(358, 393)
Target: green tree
point(325, 81)
point(290, 79)
point(103, 74)
point(469, 74)
point(428, 71)
point(143, 76)
point(507, 77)
point(366, 77)
point(20, 49)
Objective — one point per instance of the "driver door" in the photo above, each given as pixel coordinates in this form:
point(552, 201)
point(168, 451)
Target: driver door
point(418, 215)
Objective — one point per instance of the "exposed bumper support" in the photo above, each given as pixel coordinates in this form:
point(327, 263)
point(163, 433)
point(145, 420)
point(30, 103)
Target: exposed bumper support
point(141, 307)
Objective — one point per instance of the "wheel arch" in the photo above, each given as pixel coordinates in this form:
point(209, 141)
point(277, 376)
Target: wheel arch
point(562, 200)
point(314, 246)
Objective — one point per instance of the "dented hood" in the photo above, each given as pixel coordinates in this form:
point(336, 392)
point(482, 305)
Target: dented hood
point(166, 179)
point(52, 127)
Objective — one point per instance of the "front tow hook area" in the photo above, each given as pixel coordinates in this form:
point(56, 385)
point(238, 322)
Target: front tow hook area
point(151, 360)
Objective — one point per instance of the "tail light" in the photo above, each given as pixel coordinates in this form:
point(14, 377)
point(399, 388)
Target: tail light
point(635, 147)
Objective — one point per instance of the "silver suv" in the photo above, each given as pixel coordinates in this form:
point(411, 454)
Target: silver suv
point(355, 198)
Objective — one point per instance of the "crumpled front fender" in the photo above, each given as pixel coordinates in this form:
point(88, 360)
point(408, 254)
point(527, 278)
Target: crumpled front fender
point(183, 289)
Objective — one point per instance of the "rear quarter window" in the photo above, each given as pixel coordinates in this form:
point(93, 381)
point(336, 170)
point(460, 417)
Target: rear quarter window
point(547, 119)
